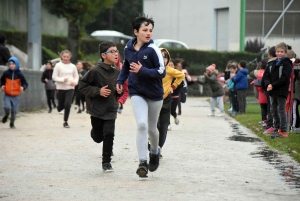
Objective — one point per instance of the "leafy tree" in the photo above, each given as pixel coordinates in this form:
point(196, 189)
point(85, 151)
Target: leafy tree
point(77, 13)
point(254, 46)
point(118, 17)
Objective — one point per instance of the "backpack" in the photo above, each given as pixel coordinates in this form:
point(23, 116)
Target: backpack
point(230, 85)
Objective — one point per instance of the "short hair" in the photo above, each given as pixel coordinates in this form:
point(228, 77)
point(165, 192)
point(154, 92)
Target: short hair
point(49, 62)
point(282, 45)
point(272, 51)
point(263, 63)
point(138, 21)
point(103, 47)
point(65, 51)
point(291, 54)
point(243, 63)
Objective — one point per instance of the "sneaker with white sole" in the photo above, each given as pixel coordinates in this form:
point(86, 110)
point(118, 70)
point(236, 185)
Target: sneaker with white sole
point(176, 120)
point(211, 115)
point(220, 115)
point(106, 167)
point(269, 131)
point(169, 127)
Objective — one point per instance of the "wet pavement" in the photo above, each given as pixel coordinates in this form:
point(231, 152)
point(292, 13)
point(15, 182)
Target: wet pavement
point(205, 158)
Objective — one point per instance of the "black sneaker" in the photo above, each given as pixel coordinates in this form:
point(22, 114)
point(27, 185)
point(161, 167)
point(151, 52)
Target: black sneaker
point(12, 125)
point(106, 167)
point(275, 134)
point(142, 170)
point(154, 161)
point(50, 110)
point(79, 111)
point(66, 125)
point(4, 119)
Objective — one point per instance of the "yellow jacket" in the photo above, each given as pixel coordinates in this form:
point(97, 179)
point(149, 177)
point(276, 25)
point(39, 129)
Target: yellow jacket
point(171, 74)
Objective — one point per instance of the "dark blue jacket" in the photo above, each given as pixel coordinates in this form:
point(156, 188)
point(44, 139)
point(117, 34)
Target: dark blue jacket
point(240, 79)
point(148, 81)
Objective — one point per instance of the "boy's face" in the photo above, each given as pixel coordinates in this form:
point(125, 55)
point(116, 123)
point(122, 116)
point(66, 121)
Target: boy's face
point(110, 56)
point(280, 53)
point(12, 65)
point(144, 34)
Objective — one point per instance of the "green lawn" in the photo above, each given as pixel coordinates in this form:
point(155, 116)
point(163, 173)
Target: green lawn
point(290, 145)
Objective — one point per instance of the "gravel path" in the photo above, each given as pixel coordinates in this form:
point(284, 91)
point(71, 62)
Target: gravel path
point(41, 160)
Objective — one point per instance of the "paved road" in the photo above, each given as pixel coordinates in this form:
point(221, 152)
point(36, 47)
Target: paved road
point(41, 160)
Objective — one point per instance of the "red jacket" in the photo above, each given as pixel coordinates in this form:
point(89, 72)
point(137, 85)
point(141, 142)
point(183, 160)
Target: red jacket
point(262, 98)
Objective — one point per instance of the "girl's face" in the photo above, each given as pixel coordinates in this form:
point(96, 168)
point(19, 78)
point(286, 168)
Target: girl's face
point(165, 57)
point(171, 64)
point(66, 58)
point(179, 66)
point(280, 53)
point(144, 34)
point(48, 66)
point(232, 70)
point(79, 66)
point(12, 65)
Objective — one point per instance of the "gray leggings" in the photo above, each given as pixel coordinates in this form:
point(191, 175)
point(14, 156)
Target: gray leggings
point(146, 114)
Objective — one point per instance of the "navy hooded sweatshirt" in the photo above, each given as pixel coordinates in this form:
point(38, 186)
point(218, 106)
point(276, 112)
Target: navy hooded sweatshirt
point(148, 81)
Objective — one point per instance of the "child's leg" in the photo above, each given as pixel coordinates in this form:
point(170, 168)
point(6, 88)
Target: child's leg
point(220, 103)
point(173, 107)
point(297, 123)
point(235, 104)
point(52, 97)
point(269, 113)
point(60, 95)
point(67, 103)
point(140, 110)
point(282, 113)
point(213, 102)
point(97, 129)
point(108, 140)
point(264, 111)
point(274, 104)
point(154, 108)
point(164, 120)
point(14, 108)
point(48, 96)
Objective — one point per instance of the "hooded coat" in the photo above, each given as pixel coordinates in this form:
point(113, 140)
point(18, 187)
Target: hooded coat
point(240, 79)
point(13, 80)
point(212, 80)
point(148, 81)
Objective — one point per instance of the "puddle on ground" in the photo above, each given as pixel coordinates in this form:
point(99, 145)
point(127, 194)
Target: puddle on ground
point(289, 170)
point(244, 138)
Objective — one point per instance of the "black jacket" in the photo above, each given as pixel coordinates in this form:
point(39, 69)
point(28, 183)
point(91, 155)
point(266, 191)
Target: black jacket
point(99, 76)
point(4, 55)
point(279, 76)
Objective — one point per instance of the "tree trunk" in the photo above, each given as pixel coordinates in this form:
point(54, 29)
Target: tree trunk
point(73, 40)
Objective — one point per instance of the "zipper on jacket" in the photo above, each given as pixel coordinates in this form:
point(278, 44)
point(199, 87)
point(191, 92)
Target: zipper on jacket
point(12, 83)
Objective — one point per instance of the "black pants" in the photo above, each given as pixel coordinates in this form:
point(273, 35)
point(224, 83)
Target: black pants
point(296, 120)
point(104, 130)
point(264, 111)
point(182, 98)
point(174, 107)
point(241, 97)
point(278, 112)
point(80, 98)
point(64, 98)
point(269, 113)
point(50, 94)
point(234, 100)
point(164, 120)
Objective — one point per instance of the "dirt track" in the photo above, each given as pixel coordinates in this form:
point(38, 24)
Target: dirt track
point(41, 160)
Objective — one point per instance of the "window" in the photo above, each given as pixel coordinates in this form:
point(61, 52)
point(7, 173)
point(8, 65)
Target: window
point(261, 15)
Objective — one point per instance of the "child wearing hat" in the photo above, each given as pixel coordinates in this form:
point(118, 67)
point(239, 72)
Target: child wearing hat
point(211, 78)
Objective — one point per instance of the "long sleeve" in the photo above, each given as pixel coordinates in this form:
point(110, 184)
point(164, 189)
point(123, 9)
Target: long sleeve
point(86, 87)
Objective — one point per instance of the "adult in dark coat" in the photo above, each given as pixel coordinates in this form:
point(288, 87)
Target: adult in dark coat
point(4, 52)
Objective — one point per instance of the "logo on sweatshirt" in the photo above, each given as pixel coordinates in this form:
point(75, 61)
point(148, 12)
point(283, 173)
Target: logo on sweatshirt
point(145, 57)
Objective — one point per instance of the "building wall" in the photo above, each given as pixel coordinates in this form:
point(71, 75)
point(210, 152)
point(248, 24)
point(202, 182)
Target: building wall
point(34, 96)
point(193, 21)
point(13, 16)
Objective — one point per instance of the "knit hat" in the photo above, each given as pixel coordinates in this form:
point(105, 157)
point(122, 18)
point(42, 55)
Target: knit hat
point(211, 68)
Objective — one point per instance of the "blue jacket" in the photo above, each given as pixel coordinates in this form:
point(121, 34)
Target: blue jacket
point(241, 80)
point(148, 81)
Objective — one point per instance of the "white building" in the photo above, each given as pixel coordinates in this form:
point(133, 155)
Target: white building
point(215, 24)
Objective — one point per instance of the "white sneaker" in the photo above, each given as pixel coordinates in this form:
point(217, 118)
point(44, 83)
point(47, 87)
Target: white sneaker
point(211, 115)
point(169, 128)
point(176, 120)
point(62, 112)
point(220, 115)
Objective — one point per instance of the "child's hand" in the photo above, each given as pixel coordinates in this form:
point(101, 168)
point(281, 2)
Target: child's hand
point(3, 87)
point(66, 79)
point(104, 91)
point(73, 83)
point(135, 67)
point(22, 89)
point(119, 88)
point(46, 80)
point(269, 87)
point(119, 105)
point(194, 79)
